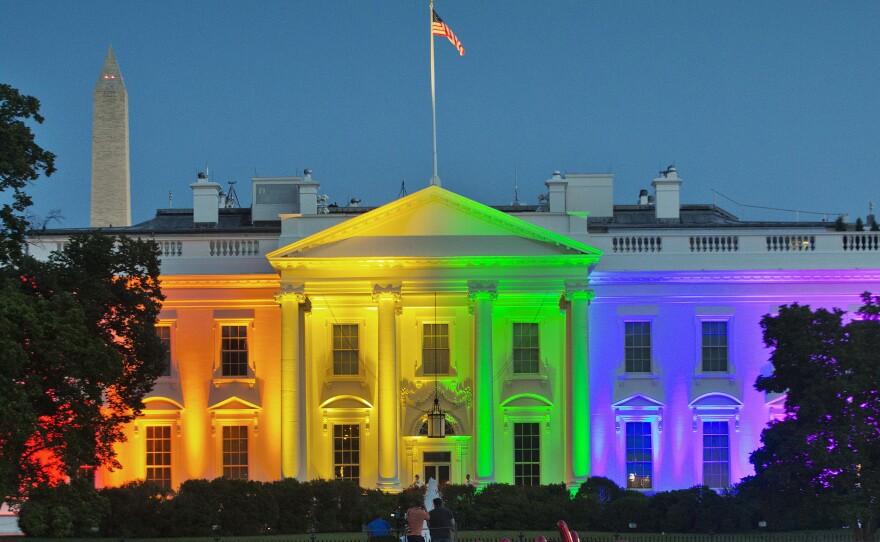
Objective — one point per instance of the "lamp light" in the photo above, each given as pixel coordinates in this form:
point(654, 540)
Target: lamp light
point(436, 418)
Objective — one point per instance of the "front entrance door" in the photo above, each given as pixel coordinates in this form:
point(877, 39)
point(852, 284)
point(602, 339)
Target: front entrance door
point(437, 466)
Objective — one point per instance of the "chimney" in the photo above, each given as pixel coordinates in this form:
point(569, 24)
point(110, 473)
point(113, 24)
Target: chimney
point(308, 194)
point(590, 192)
point(206, 199)
point(667, 188)
point(556, 188)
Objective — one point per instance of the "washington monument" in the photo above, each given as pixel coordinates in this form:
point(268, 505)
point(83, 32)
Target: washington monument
point(111, 198)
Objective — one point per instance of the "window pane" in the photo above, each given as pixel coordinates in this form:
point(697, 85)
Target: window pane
point(526, 352)
point(637, 347)
point(164, 333)
point(345, 349)
point(715, 351)
point(234, 351)
point(527, 454)
point(716, 454)
point(346, 452)
point(639, 455)
point(235, 452)
point(158, 458)
point(435, 349)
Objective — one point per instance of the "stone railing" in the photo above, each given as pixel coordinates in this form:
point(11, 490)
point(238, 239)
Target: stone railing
point(714, 243)
point(742, 249)
point(790, 243)
point(861, 242)
point(235, 247)
point(170, 248)
point(637, 244)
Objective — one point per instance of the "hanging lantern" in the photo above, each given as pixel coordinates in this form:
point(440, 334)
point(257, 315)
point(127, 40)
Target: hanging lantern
point(436, 421)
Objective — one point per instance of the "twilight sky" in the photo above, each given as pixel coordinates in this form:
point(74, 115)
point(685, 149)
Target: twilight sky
point(773, 104)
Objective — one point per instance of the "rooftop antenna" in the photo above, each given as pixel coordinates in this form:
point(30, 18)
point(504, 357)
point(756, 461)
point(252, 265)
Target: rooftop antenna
point(402, 190)
point(231, 197)
point(170, 199)
point(515, 187)
point(208, 177)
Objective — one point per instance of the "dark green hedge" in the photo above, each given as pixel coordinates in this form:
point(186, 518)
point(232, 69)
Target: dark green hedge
point(243, 508)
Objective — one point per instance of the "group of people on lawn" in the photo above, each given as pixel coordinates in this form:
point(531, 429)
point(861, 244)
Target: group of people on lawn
point(440, 522)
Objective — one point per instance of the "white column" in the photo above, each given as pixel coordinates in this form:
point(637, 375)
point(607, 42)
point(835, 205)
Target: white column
point(291, 418)
point(482, 295)
point(577, 298)
point(388, 387)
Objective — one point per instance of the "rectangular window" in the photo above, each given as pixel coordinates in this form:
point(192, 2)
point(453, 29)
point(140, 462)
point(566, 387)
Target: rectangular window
point(435, 349)
point(637, 347)
point(639, 454)
point(159, 455)
point(164, 333)
point(716, 455)
point(345, 349)
point(526, 454)
point(234, 351)
point(715, 347)
point(235, 452)
point(347, 452)
point(525, 348)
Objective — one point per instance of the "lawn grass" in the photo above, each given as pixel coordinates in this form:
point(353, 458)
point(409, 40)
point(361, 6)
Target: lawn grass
point(514, 536)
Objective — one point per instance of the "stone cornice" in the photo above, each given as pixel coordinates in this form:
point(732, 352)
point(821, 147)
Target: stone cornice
point(220, 281)
point(599, 278)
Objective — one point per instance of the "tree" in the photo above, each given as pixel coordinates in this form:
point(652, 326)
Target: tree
point(21, 161)
point(828, 444)
point(79, 352)
point(78, 347)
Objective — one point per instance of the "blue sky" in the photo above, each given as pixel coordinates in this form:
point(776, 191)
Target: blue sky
point(770, 103)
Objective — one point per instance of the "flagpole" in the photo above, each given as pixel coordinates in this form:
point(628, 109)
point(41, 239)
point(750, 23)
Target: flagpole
point(435, 179)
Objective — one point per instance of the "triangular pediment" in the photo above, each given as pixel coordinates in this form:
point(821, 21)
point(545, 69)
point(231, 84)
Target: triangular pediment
point(434, 223)
point(234, 396)
point(638, 402)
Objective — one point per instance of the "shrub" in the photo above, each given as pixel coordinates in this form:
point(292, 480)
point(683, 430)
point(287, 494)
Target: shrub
point(194, 511)
point(62, 510)
point(135, 510)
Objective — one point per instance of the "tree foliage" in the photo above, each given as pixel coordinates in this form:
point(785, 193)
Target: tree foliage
point(828, 444)
point(78, 348)
point(21, 161)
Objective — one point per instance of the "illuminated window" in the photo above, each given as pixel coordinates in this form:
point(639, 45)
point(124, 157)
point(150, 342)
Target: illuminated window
point(639, 454)
point(716, 454)
point(234, 350)
point(345, 349)
point(450, 429)
point(435, 349)
point(164, 333)
point(159, 455)
point(526, 454)
point(437, 465)
point(347, 452)
point(235, 452)
point(637, 347)
point(525, 348)
point(715, 352)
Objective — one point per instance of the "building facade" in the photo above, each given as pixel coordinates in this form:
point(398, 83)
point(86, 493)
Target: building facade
point(563, 340)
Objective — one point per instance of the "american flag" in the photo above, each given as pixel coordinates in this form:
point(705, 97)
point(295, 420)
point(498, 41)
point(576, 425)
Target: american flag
point(439, 28)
